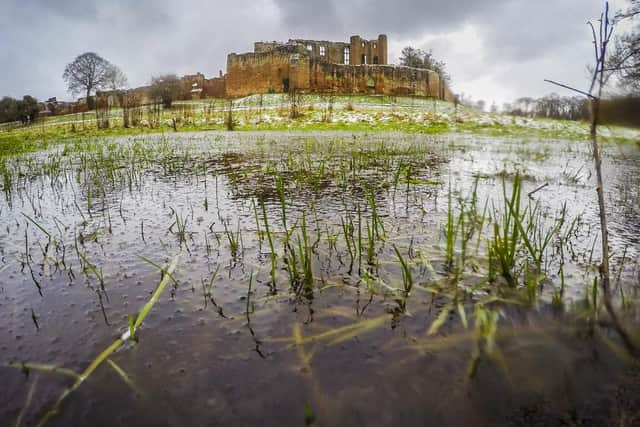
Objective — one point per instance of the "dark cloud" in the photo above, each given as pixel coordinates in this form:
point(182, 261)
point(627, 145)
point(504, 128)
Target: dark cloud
point(69, 8)
point(325, 17)
point(148, 37)
point(399, 17)
point(523, 30)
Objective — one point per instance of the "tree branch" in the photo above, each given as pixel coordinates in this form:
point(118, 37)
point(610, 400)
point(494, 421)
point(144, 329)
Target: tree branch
point(581, 92)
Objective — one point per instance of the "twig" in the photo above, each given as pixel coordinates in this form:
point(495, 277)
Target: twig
point(571, 88)
point(537, 189)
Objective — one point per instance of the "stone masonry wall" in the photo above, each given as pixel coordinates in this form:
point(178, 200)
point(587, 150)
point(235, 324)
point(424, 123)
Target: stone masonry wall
point(368, 51)
point(357, 51)
point(277, 70)
point(333, 51)
point(214, 88)
point(289, 66)
point(375, 79)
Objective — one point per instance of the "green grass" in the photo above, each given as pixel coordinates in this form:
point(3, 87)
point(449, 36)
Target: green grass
point(372, 114)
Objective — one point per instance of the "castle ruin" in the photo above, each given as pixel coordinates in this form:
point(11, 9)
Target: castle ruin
point(316, 66)
point(357, 67)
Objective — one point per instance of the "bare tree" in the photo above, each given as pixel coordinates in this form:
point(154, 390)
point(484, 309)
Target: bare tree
point(166, 88)
point(328, 100)
point(625, 60)
point(601, 40)
point(89, 72)
point(295, 100)
point(116, 79)
point(131, 111)
point(229, 121)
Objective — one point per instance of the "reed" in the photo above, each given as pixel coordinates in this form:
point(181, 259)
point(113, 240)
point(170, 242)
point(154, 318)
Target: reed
point(507, 235)
point(106, 353)
point(180, 224)
point(272, 253)
point(407, 280)
point(233, 238)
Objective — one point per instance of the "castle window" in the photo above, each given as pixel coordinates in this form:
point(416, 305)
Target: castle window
point(362, 44)
point(321, 50)
point(363, 59)
point(309, 47)
point(374, 45)
point(347, 55)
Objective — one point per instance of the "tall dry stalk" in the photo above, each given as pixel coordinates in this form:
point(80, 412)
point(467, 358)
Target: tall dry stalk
point(601, 40)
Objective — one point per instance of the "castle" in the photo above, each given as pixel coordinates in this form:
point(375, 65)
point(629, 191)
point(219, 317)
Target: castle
point(315, 66)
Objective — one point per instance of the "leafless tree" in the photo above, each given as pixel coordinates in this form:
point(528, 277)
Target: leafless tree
point(116, 79)
point(295, 101)
point(328, 100)
point(601, 40)
point(625, 61)
point(131, 102)
point(229, 121)
point(260, 102)
point(551, 106)
point(103, 110)
point(89, 72)
point(166, 89)
point(154, 114)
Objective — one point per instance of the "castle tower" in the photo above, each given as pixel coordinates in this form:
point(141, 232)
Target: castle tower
point(382, 49)
point(356, 50)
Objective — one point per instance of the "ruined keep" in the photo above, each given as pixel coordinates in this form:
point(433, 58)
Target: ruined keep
point(357, 52)
point(356, 67)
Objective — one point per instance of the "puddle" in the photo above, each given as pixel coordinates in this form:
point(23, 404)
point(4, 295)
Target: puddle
point(362, 272)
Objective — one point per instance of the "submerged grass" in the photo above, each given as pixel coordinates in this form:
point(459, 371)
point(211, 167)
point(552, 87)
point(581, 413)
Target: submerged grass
point(343, 218)
point(106, 353)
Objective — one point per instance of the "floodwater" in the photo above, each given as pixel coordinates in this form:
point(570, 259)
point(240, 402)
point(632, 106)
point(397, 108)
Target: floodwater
point(82, 225)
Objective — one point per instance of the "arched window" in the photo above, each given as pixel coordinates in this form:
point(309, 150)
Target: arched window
point(347, 55)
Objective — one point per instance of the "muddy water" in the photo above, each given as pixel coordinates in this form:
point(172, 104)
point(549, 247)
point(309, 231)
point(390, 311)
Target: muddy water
point(81, 223)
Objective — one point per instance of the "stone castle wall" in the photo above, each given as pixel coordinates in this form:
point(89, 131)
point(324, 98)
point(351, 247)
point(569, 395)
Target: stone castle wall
point(264, 72)
point(282, 69)
point(314, 66)
point(368, 51)
point(375, 79)
point(357, 51)
point(214, 88)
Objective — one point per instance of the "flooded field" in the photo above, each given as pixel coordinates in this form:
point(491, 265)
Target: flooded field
point(322, 278)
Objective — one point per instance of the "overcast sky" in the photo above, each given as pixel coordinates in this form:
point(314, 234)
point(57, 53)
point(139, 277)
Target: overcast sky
point(496, 50)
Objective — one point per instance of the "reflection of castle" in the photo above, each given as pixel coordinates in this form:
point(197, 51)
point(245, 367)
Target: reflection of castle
point(355, 67)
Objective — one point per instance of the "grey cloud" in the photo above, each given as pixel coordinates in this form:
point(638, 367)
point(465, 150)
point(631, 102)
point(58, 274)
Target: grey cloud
point(67, 8)
point(326, 17)
point(523, 30)
point(144, 38)
point(400, 17)
point(148, 37)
